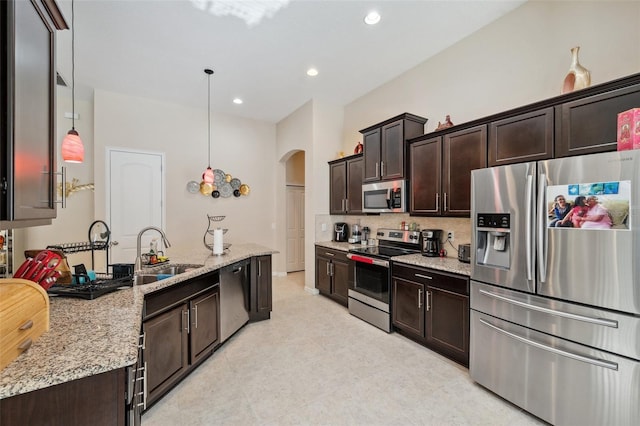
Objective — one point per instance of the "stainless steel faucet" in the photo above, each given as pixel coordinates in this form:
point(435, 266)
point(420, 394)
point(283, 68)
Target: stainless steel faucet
point(138, 266)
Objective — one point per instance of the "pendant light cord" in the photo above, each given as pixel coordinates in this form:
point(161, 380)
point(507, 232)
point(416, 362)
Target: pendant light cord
point(209, 115)
point(73, 68)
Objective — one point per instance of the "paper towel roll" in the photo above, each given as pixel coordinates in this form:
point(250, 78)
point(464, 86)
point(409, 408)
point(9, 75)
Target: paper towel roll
point(218, 244)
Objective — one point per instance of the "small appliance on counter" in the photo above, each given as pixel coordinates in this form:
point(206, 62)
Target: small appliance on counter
point(341, 232)
point(431, 242)
point(365, 235)
point(356, 234)
point(464, 253)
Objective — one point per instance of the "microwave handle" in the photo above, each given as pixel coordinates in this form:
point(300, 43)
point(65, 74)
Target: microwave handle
point(390, 198)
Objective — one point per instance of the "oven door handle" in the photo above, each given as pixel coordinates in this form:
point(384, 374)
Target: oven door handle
point(368, 260)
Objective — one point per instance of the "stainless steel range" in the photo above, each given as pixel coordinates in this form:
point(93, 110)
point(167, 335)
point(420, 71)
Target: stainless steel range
point(369, 292)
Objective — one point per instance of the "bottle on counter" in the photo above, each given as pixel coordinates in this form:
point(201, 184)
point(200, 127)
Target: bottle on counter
point(153, 251)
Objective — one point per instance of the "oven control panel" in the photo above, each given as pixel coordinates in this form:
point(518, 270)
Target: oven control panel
point(400, 236)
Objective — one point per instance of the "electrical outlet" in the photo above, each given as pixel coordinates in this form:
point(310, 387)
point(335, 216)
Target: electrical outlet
point(450, 236)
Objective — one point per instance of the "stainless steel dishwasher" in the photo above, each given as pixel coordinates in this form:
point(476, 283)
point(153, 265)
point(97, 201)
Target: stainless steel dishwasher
point(234, 298)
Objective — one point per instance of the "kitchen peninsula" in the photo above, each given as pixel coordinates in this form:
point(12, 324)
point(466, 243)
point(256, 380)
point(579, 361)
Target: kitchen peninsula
point(95, 339)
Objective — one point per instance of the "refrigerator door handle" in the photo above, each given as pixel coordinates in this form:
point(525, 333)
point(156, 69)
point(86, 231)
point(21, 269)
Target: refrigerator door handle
point(542, 229)
point(577, 357)
point(529, 226)
point(597, 321)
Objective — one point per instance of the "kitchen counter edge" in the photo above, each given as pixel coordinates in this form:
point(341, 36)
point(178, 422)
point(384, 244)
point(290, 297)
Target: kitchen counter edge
point(89, 337)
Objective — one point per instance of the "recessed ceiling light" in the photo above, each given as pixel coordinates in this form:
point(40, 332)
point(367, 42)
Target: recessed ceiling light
point(237, 101)
point(372, 18)
point(312, 72)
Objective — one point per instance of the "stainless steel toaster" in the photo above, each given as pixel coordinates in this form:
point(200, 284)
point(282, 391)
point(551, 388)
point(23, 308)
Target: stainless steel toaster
point(464, 253)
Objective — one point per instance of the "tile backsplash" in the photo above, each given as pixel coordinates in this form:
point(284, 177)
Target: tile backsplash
point(461, 227)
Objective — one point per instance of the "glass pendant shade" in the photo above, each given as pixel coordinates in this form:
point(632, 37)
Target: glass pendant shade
point(72, 148)
point(207, 176)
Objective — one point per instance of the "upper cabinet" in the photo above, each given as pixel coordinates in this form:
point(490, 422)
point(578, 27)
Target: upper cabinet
point(384, 146)
point(27, 111)
point(440, 171)
point(589, 124)
point(524, 137)
point(345, 190)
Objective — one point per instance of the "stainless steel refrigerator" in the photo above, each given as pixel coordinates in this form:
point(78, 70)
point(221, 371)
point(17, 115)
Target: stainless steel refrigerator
point(555, 304)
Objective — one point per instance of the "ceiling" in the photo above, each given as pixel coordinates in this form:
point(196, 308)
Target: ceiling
point(159, 48)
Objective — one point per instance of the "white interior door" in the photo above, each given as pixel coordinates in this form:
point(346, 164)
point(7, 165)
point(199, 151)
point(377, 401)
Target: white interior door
point(295, 228)
point(135, 194)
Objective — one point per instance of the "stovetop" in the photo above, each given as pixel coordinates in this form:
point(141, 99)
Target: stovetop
point(91, 290)
point(392, 242)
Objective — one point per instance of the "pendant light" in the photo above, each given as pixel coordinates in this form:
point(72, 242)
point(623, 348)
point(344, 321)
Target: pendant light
point(207, 176)
point(72, 148)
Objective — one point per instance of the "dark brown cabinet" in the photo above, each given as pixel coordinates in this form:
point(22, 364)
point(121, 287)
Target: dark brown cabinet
point(180, 328)
point(525, 137)
point(27, 111)
point(345, 190)
point(440, 171)
point(261, 288)
point(433, 309)
point(384, 146)
point(333, 274)
point(589, 125)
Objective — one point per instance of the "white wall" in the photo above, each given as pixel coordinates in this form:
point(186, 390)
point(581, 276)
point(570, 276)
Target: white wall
point(241, 147)
point(519, 59)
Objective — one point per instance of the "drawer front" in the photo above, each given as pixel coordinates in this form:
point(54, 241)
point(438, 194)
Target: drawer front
point(162, 300)
point(21, 336)
point(449, 282)
point(557, 380)
point(332, 254)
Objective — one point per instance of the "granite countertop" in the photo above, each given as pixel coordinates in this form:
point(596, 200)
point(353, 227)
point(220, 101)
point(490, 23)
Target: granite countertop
point(88, 337)
point(446, 264)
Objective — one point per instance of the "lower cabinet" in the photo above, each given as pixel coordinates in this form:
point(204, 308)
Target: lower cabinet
point(180, 328)
point(333, 274)
point(261, 296)
point(433, 309)
point(95, 400)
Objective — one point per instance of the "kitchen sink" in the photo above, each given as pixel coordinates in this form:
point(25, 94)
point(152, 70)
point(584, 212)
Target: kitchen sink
point(153, 274)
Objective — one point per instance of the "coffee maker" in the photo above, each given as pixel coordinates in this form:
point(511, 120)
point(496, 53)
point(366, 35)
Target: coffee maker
point(341, 232)
point(431, 242)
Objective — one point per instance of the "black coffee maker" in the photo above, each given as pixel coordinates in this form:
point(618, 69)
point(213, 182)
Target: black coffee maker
point(341, 232)
point(431, 242)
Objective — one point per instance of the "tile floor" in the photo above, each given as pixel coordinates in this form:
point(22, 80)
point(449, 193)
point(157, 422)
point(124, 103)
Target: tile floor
point(314, 364)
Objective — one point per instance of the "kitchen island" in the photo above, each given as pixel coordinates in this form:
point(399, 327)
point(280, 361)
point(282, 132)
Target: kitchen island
point(89, 337)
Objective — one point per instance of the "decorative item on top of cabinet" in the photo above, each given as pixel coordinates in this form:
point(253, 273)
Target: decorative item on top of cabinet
point(384, 146)
point(359, 148)
point(578, 76)
point(345, 185)
point(447, 123)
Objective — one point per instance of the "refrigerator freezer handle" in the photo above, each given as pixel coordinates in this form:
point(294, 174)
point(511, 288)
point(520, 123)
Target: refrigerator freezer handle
point(542, 228)
point(529, 227)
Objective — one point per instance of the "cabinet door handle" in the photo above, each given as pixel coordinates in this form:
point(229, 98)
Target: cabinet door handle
point(445, 202)
point(27, 325)
point(259, 268)
point(143, 338)
point(377, 170)
point(419, 298)
point(328, 272)
point(423, 276)
point(382, 169)
point(437, 201)
point(185, 313)
point(428, 301)
point(346, 204)
point(25, 345)
point(329, 254)
point(332, 268)
point(195, 316)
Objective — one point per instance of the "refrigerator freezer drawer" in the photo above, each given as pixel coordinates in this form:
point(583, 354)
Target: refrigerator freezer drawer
point(599, 328)
point(561, 382)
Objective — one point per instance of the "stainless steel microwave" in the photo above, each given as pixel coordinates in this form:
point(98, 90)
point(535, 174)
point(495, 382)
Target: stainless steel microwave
point(384, 197)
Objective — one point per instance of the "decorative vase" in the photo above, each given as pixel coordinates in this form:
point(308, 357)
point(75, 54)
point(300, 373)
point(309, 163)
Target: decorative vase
point(578, 76)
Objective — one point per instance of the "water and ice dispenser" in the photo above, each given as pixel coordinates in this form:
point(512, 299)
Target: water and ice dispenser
point(493, 240)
